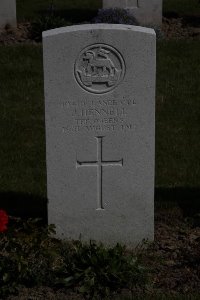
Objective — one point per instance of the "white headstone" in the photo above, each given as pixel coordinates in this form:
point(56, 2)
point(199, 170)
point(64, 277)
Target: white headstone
point(7, 13)
point(99, 101)
point(147, 12)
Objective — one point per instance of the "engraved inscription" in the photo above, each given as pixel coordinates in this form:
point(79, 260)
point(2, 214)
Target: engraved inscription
point(99, 164)
point(98, 115)
point(99, 68)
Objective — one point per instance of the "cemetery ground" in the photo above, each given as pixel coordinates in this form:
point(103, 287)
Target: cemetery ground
point(38, 266)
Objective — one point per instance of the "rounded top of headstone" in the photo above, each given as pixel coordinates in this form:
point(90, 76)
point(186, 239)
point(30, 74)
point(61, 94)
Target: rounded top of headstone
point(75, 28)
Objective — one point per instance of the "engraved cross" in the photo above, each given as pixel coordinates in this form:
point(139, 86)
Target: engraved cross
point(99, 164)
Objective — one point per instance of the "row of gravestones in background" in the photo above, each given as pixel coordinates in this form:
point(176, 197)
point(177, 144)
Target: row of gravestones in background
point(145, 11)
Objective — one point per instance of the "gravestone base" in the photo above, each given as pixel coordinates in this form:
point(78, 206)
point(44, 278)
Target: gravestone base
point(147, 12)
point(8, 13)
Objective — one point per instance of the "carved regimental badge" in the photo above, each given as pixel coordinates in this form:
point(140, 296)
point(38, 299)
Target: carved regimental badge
point(99, 68)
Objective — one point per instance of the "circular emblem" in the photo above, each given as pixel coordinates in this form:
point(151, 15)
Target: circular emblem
point(99, 68)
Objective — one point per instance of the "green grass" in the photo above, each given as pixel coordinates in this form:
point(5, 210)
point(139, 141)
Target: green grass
point(178, 114)
point(182, 7)
point(22, 135)
point(78, 10)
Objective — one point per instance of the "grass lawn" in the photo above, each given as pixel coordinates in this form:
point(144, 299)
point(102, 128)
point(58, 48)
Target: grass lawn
point(78, 10)
point(178, 114)
point(22, 135)
point(182, 7)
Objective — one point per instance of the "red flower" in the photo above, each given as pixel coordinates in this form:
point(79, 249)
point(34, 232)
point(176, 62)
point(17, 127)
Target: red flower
point(3, 221)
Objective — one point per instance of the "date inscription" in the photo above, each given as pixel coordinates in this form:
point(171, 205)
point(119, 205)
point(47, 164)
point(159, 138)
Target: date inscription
point(98, 115)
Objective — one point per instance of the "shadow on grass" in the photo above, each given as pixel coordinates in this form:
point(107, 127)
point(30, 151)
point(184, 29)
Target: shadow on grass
point(24, 205)
point(33, 206)
point(188, 199)
point(73, 15)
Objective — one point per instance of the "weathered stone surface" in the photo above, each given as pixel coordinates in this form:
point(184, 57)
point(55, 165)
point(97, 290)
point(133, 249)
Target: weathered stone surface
point(147, 12)
point(99, 101)
point(120, 3)
point(7, 12)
